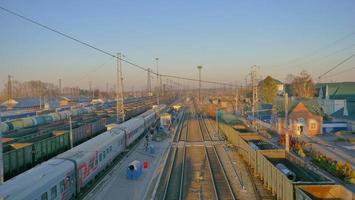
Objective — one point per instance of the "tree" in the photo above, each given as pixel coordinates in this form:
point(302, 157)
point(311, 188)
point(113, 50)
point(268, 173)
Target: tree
point(289, 78)
point(303, 86)
point(268, 90)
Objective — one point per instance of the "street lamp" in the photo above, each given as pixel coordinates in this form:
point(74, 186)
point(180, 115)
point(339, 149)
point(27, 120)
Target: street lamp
point(199, 78)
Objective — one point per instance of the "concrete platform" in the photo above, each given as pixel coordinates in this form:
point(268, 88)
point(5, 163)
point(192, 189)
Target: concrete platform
point(116, 186)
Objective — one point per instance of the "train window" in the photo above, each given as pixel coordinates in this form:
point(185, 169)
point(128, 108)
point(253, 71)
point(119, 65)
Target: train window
point(100, 157)
point(54, 192)
point(62, 186)
point(44, 196)
point(91, 164)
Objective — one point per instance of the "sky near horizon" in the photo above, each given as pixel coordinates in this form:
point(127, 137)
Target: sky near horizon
point(225, 37)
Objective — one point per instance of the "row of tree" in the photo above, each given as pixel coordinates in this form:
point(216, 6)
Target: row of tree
point(36, 88)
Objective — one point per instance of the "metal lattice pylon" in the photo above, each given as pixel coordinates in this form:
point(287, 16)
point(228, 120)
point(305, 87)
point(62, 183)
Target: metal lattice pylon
point(119, 91)
point(149, 84)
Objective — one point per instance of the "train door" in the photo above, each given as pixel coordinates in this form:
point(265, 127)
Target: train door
point(72, 184)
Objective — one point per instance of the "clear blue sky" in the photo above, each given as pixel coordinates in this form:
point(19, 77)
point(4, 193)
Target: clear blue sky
point(226, 37)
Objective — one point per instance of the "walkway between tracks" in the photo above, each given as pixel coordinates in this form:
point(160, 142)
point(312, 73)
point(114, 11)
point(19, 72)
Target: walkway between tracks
point(116, 186)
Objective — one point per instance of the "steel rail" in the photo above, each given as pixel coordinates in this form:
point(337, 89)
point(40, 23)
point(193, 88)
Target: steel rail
point(209, 162)
point(181, 124)
point(181, 190)
point(219, 161)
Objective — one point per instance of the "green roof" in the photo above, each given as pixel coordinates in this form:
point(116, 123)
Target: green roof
point(276, 81)
point(339, 90)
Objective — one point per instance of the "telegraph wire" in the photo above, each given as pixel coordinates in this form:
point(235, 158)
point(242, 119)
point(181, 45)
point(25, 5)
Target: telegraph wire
point(101, 50)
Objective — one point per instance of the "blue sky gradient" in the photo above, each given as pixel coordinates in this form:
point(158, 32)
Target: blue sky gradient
point(226, 37)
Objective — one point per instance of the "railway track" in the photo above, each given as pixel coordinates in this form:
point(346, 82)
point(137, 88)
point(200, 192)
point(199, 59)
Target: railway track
point(195, 172)
point(173, 182)
point(222, 183)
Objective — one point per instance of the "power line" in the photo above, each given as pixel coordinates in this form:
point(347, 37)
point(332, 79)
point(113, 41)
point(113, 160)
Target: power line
point(101, 50)
point(337, 65)
point(318, 50)
point(341, 72)
point(326, 56)
point(91, 71)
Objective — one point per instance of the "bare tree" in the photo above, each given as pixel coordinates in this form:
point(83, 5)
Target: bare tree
point(289, 78)
point(303, 85)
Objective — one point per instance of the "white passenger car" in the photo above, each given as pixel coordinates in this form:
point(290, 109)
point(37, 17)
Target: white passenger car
point(54, 179)
point(93, 156)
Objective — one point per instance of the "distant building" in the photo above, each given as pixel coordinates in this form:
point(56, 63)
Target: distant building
point(27, 103)
point(97, 101)
point(265, 112)
point(10, 103)
point(280, 85)
point(64, 101)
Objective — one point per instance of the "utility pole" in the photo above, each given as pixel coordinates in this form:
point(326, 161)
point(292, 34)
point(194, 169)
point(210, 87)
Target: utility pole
point(161, 86)
point(107, 96)
point(199, 81)
point(71, 132)
point(119, 91)
point(236, 97)
point(9, 91)
point(149, 84)
point(90, 88)
point(1, 161)
point(287, 136)
point(158, 88)
point(40, 95)
point(60, 86)
point(254, 86)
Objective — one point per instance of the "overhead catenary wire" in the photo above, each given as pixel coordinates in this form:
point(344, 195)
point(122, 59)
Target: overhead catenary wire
point(102, 50)
point(323, 57)
point(91, 71)
point(341, 72)
point(336, 66)
point(315, 52)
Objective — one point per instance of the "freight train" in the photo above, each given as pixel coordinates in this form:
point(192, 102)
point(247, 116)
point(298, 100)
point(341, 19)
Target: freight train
point(26, 122)
point(66, 175)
